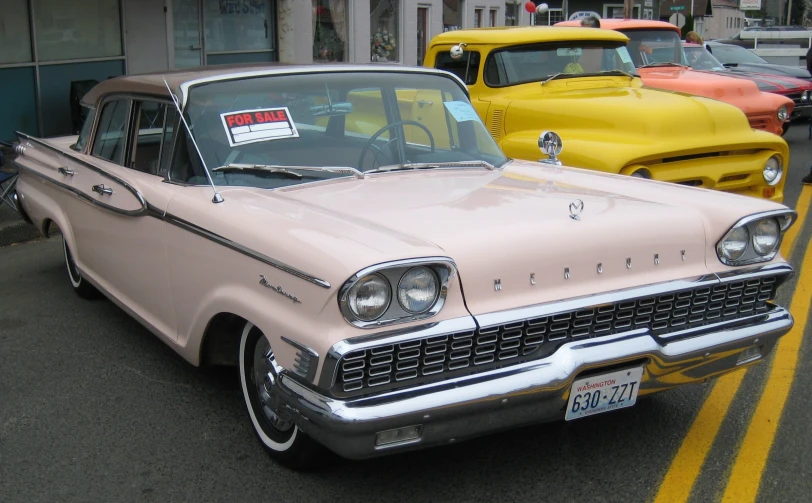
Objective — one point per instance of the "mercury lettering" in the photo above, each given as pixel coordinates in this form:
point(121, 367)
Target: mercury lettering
point(594, 385)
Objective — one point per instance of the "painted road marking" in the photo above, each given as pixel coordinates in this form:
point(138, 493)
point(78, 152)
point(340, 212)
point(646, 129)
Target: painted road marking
point(685, 467)
point(748, 469)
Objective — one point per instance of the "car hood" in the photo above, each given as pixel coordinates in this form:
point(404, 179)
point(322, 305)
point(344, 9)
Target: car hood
point(654, 115)
point(770, 83)
point(501, 227)
point(790, 71)
point(708, 84)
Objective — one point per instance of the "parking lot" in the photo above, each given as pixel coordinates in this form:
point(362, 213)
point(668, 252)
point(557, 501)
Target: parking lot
point(93, 407)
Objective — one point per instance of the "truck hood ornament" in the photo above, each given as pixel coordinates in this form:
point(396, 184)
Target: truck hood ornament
point(576, 207)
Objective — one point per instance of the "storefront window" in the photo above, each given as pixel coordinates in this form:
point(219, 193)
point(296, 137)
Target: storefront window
point(452, 15)
point(478, 18)
point(77, 29)
point(384, 29)
point(330, 30)
point(15, 37)
point(512, 13)
point(238, 25)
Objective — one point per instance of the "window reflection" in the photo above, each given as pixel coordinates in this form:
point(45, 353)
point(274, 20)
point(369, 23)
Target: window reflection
point(330, 30)
point(384, 29)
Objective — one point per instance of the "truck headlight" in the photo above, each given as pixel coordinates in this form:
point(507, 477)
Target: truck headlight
point(782, 113)
point(772, 171)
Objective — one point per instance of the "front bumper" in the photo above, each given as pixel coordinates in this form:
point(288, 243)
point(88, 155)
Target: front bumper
point(533, 392)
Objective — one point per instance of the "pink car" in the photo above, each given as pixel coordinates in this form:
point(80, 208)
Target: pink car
point(383, 277)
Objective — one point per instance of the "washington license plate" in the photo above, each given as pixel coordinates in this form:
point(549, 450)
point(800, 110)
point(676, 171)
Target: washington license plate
point(604, 392)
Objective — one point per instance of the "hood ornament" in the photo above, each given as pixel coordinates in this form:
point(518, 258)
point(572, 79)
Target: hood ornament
point(576, 207)
point(551, 145)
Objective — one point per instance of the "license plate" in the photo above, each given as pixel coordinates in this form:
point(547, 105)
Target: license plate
point(604, 392)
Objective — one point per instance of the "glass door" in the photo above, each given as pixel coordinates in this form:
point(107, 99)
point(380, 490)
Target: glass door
point(188, 35)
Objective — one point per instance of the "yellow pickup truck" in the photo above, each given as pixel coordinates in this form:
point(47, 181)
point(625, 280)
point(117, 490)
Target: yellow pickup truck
point(582, 84)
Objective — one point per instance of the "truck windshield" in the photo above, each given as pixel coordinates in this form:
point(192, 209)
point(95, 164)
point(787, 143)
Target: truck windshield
point(650, 47)
point(539, 62)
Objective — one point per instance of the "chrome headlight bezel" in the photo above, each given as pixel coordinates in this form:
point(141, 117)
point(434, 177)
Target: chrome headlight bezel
point(443, 269)
point(784, 219)
point(783, 113)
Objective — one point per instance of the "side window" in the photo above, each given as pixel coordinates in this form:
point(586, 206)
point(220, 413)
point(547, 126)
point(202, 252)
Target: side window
point(466, 68)
point(87, 127)
point(148, 137)
point(110, 135)
point(186, 166)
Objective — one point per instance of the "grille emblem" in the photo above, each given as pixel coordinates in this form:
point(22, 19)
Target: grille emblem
point(576, 207)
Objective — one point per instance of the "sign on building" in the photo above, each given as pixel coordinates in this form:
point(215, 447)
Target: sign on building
point(582, 14)
point(750, 4)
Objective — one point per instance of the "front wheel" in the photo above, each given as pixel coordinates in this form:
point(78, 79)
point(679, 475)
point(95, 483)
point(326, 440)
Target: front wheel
point(282, 439)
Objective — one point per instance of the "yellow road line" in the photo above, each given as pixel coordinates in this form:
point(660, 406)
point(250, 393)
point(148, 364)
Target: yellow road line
point(748, 469)
point(685, 467)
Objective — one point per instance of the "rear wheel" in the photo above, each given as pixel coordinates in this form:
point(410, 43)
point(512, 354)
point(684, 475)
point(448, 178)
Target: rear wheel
point(82, 288)
point(281, 438)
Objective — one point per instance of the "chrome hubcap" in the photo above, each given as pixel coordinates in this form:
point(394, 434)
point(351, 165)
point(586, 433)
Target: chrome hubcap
point(264, 379)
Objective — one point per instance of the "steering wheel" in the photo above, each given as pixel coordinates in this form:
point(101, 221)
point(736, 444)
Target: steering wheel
point(371, 142)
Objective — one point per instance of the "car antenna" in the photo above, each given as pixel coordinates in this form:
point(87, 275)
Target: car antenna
point(217, 197)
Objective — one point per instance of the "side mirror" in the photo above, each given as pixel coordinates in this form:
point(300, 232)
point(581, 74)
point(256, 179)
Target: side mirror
point(551, 145)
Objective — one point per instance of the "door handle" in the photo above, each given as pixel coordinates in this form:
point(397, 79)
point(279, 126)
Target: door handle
point(65, 171)
point(101, 189)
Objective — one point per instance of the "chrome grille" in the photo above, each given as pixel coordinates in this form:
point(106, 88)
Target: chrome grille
point(413, 362)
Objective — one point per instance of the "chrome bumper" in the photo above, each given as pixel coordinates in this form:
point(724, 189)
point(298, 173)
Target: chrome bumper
point(533, 392)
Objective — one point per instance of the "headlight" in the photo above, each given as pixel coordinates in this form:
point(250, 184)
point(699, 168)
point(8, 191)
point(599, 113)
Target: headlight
point(421, 286)
point(735, 244)
point(417, 290)
point(772, 171)
point(765, 236)
point(369, 297)
point(782, 113)
point(805, 96)
point(755, 238)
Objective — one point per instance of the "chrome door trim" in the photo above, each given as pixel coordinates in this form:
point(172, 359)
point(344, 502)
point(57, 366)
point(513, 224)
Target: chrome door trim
point(95, 168)
point(200, 231)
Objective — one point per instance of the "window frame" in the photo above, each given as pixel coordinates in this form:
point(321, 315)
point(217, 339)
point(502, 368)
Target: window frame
point(134, 123)
point(125, 134)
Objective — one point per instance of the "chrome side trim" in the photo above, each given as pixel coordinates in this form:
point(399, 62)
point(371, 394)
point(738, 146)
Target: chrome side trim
point(84, 197)
point(301, 346)
point(433, 263)
point(541, 310)
point(200, 231)
point(789, 217)
point(91, 167)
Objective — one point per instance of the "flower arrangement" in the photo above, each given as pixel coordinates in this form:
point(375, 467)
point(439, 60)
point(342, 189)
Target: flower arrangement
point(383, 44)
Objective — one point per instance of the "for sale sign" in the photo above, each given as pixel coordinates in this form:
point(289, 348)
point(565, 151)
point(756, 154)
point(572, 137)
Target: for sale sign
point(265, 124)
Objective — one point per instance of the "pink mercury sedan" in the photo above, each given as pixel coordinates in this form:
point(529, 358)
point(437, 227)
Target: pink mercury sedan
point(383, 277)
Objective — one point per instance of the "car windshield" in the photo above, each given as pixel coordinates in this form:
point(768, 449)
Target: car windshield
point(280, 130)
point(735, 55)
point(655, 47)
point(534, 63)
point(700, 59)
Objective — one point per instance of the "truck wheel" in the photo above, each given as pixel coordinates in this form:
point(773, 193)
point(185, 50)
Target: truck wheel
point(282, 439)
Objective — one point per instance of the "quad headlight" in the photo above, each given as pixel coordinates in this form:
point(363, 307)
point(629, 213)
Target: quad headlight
point(772, 171)
point(420, 290)
point(783, 113)
point(805, 96)
point(755, 238)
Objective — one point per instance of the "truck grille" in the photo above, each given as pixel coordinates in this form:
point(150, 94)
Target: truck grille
point(415, 362)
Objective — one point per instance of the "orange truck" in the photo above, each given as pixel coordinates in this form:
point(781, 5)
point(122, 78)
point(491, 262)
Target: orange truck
point(657, 52)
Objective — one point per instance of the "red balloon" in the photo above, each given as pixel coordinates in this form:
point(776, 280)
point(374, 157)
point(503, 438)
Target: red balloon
point(530, 7)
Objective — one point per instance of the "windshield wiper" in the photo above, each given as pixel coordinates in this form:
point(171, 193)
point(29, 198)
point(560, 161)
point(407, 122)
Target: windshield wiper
point(558, 75)
point(663, 63)
point(433, 165)
point(289, 170)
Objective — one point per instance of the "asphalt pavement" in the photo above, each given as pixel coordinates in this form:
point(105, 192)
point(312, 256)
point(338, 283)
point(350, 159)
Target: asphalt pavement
point(93, 407)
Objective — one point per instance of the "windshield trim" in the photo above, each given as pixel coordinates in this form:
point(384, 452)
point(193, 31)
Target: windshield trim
point(609, 44)
point(187, 86)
